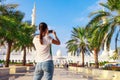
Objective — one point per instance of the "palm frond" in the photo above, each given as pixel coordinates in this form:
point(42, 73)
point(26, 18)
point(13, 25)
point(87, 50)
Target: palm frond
point(105, 5)
point(110, 34)
point(97, 18)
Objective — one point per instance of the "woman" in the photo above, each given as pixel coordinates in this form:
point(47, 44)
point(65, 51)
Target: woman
point(44, 60)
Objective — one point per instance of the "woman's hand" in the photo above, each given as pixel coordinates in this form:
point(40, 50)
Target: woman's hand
point(56, 40)
point(54, 33)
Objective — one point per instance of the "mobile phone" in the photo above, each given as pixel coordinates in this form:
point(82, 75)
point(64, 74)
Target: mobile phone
point(50, 31)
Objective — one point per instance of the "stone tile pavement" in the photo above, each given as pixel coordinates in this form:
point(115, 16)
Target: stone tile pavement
point(59, 74)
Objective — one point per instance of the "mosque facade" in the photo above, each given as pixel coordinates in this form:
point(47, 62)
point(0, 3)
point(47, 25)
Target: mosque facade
point(58, 58)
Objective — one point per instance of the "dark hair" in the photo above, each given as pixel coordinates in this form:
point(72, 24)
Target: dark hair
point(42, 28)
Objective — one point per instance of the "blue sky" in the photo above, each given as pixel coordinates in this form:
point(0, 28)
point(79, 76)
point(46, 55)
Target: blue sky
point(60, 15)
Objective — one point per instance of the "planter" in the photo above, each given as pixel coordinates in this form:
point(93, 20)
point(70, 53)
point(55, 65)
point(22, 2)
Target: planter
point(30, 68)
point(17, 69)
point(4, 72)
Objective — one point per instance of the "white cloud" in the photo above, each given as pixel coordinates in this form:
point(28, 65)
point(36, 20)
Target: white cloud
point(80, 19)
point(96, 6)
point(86, 12)
point(101, 1)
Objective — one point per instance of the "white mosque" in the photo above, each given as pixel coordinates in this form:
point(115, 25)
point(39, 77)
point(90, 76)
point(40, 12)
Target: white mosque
point(58, 58)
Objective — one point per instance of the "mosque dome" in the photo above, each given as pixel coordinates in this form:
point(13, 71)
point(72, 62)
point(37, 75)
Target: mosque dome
point(59, 53)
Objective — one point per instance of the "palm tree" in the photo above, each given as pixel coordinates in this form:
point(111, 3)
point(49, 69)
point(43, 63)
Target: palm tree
point(10, 21)
point(24, 42)
point(113, 19)
point(110, 26)
point(95, 38)
point(78, 44)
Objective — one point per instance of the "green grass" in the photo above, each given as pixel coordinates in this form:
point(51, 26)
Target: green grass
point(2, 61)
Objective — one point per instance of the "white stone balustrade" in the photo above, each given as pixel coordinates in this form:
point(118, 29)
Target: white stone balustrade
point(97, 73)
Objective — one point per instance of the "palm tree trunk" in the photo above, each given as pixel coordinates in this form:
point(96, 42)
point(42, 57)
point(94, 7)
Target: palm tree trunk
point(8, 54)
point(24, 57)
point(82, 58)
point(96, 58)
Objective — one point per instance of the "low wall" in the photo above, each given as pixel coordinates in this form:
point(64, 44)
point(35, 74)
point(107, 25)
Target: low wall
point(97, 73)
point(4, 72)
point(30, 68)
point(17, 69)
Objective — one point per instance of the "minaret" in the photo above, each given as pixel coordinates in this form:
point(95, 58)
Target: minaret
point(33, 14)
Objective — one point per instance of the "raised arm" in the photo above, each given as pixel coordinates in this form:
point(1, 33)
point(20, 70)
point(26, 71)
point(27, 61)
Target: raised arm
point(55, 40)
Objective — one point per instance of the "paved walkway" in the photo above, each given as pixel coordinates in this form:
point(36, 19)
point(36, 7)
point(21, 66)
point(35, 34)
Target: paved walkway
point(59, 74)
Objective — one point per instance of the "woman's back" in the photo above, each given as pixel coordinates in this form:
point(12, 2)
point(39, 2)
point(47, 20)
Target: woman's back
point(42, 50)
